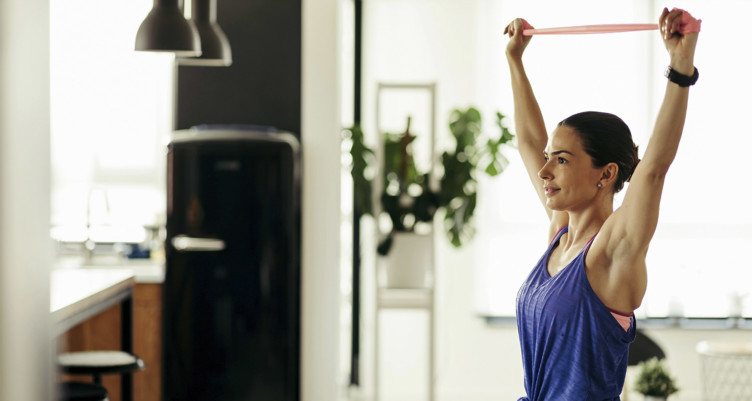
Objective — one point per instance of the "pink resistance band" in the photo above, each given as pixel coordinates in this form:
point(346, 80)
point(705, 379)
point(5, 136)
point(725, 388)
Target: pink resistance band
point(688, 24)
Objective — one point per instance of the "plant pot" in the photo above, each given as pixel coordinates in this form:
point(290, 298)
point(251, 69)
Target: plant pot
point(654, 398)
point(408, 264)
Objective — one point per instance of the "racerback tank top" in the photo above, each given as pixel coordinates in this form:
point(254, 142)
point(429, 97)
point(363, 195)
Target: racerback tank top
point(572, 346)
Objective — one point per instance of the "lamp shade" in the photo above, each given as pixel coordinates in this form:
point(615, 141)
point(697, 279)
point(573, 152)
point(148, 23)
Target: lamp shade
point(165, 29)
point(215, 48)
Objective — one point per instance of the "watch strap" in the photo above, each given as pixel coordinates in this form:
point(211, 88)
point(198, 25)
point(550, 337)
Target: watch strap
point(681, 79)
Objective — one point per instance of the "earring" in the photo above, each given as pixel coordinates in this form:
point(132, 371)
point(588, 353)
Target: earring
point(600, 185)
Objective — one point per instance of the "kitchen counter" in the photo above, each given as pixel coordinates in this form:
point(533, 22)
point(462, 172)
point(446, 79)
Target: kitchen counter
point(78, 294)
point(145, 271)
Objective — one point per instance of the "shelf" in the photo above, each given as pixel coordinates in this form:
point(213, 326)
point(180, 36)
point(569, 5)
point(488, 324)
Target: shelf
point(407, 298)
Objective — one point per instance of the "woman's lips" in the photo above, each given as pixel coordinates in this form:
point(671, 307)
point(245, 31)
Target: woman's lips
point(549, 190)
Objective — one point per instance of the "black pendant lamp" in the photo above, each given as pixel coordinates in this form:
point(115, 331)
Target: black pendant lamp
point(165, 29)
point(215, 48)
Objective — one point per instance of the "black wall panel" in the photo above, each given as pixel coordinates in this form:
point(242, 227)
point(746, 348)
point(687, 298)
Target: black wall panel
point(263, 84)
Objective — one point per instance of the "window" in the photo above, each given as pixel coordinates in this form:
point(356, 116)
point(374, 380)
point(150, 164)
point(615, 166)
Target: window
point(111, 115)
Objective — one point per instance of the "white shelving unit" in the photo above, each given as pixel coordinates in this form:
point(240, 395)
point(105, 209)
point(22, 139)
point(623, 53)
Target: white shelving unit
point(420, 298)
point(417, 299)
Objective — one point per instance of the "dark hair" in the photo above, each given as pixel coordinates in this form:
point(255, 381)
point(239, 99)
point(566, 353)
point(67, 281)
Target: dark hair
point(607, 139)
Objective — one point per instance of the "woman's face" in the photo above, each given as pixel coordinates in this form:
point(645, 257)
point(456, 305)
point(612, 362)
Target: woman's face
point(570, 180)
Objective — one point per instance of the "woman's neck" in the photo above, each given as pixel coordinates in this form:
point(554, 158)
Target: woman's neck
point(585, 224)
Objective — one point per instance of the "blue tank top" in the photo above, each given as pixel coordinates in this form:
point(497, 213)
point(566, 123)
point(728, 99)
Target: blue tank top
point(572, 347)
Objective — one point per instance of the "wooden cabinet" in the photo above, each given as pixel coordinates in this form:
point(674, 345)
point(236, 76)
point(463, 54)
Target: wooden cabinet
point(147, 341)
point(102, 332)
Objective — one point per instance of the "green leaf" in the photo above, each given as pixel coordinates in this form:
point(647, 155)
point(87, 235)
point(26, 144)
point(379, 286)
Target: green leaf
point(465, 127)
point(506, 135)
point(362, 157)
point(493, 168)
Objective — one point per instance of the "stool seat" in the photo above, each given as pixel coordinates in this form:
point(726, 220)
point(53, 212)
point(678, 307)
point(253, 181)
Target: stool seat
point(643, 348)
point(99, 362)
point(78, 391)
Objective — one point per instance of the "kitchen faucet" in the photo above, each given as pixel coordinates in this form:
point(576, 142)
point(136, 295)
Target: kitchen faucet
point(89, 244)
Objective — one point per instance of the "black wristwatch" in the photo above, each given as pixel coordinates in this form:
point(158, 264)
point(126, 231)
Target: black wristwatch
point(681, 79)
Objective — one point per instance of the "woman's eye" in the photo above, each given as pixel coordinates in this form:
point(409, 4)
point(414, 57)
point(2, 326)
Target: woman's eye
point(562, 160)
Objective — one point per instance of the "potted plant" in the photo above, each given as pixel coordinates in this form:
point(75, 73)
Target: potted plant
point(410, 204)
point(409, 200)
point(654, 382)
point(406, 197)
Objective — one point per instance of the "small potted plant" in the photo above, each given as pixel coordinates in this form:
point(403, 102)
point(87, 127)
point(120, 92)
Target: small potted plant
point(654, 382)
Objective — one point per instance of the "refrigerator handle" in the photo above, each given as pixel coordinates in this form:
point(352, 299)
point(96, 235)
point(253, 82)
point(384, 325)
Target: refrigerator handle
point(184, 243)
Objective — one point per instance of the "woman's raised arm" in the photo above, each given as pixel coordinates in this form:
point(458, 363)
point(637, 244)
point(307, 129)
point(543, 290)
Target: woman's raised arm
point(528, 119)
point(635, 222)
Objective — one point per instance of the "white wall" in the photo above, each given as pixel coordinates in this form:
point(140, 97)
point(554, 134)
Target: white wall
point(322, 371)
point(25, 245)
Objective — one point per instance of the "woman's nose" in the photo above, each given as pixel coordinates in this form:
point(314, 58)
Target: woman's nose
point(544, 173)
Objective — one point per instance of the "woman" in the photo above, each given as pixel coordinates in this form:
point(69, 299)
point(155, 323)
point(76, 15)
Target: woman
point(575, 310)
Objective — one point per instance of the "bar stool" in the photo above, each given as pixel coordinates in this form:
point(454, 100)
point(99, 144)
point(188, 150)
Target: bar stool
point(643, 348)
point(98, 363)
point(78, 391)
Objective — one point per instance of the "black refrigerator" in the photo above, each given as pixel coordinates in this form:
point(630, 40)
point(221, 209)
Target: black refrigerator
point(231, 295)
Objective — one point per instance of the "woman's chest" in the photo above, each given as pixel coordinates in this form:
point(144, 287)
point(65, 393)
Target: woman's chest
point(559, 259)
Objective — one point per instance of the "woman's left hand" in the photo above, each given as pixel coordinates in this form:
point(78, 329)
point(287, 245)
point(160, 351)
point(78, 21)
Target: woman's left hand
point(679, 31)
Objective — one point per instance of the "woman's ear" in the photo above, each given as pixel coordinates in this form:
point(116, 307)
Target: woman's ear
point(609, 173)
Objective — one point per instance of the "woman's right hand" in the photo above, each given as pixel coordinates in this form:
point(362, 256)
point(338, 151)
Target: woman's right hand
point(680, 46)
point(517, 41)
